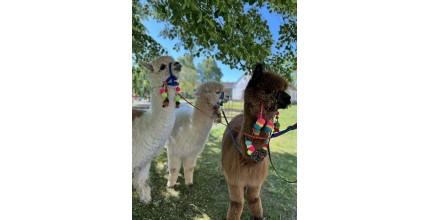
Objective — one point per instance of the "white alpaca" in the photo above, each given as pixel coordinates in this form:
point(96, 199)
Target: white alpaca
point(151, 130)
point(191, 132)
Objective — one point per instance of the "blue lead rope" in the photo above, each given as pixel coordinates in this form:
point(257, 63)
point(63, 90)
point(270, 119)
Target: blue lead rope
point(231, 133)
point(289, 128)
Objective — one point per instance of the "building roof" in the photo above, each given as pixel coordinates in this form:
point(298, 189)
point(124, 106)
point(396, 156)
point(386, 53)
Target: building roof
point(228, 85)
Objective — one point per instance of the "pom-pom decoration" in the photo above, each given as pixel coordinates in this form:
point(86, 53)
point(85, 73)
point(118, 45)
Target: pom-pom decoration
point(164, 95)
point(166, 102)
point(277, 126)
point(265, 147)
point(269, 127)
point(250, 147)
point(256, 132)
point(163, 92)
point(259, 123)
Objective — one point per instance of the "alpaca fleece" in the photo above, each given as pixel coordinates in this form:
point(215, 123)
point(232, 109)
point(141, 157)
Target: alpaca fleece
point(151, 130)
point(242, 173)
point(190, 132)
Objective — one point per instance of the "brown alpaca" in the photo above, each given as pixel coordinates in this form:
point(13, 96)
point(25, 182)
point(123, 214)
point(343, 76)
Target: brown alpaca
point(240, 170)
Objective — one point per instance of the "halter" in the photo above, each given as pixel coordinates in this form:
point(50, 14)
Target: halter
point(274, 100)
point(171, 81)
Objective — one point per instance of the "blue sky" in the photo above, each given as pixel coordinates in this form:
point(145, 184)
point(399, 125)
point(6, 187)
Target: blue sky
point(229, 75)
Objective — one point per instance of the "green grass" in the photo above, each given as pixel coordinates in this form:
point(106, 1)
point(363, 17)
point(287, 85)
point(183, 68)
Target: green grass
point(208, 197)
point(234, 105)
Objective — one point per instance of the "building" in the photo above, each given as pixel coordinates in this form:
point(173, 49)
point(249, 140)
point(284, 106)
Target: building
point(235, 89)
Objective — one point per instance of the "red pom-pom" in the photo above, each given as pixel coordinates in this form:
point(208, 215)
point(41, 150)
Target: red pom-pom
point(178, 89)
point(161, 91)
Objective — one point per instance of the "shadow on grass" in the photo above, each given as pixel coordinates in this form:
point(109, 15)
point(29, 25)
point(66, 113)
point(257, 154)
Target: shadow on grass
point(208, 198)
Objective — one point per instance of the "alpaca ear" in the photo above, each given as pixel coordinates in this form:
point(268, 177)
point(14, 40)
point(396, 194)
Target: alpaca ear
point(147, 65)
point(256, 75)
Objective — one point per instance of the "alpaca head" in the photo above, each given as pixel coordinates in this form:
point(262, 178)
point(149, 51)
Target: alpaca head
point(267, 88)
point(208, 93)
point(159, 70)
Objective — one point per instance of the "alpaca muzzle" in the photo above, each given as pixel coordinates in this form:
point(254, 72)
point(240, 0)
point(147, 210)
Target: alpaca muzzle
point(177, 66)
point(283, 100)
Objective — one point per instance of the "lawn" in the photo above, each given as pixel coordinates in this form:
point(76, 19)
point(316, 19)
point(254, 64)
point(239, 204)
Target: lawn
point(208, 197)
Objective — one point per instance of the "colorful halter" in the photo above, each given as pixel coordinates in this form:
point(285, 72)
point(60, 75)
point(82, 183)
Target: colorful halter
point(171, 81)
point(269, 126)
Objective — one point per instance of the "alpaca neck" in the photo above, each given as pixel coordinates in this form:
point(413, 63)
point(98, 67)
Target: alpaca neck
point(201, 117)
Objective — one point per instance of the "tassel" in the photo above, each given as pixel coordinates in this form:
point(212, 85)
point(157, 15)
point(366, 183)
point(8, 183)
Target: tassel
point(269, 127)
point(166, 102)
point(164, 95)
point(277, 124)
point(177, 98)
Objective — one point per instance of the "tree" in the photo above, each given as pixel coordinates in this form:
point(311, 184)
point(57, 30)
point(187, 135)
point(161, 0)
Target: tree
point(144, 48)
point(141, 86)
point(187, 60)
point(188, 79)
point(209, 71)
point(230, 32)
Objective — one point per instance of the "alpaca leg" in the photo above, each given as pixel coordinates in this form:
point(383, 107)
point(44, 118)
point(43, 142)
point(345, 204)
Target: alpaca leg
point(174, 167)
point(141, 182)
point(189, 164)
point(135, 179)
point(254, 202)
point(236, 202)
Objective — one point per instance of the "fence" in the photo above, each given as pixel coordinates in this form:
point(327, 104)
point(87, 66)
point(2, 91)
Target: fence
point(231, 108)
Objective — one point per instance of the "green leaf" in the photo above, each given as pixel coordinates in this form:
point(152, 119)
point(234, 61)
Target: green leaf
point(200, 19)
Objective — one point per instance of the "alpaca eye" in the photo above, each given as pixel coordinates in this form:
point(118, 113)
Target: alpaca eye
point(163, 66)
point(267, 91)
point(218, 92)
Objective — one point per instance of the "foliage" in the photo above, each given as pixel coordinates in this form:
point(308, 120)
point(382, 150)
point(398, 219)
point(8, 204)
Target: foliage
point(140, 85)
point(232, 31)
point(188, 79)
point(209, 71)
point(187, 60)
point(144, 47)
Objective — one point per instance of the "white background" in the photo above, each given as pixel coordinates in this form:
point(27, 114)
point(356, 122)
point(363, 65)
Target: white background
point(363, 112)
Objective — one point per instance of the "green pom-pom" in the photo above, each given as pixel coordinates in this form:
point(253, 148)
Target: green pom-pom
point(249, 152)
point(177, 98)
point(164, 95)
